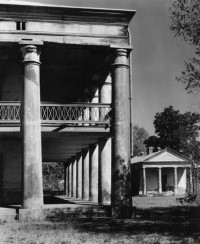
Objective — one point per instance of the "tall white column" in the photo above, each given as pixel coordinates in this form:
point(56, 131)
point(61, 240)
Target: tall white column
point(66, 179)
point(74, 177)
point(105, 150)
point(79, 175)
point(121, 176)
point(105, 159)
point(31, 127)
point(70, 179)
point(94, 111)
point(85, 193)
point(94, 170)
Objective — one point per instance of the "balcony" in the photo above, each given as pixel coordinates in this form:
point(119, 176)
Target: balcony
point(60, 115)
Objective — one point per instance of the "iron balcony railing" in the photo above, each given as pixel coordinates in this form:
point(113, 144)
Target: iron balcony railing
point(74, 113)
point(10, 112)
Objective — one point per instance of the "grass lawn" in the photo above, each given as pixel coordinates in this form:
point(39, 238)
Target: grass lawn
point(167, 222)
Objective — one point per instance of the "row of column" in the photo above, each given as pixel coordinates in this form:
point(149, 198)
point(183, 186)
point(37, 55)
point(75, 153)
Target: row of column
point(144, 180)
point(120, 127)
point(88, 175)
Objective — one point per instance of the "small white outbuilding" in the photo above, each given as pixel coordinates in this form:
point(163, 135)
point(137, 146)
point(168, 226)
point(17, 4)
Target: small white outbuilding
point(162, 172)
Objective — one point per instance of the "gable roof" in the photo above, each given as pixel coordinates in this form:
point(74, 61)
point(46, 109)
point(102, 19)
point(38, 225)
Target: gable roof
point(165, 155)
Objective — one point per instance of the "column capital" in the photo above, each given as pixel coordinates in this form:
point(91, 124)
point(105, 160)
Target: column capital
point(121, 58)
point(31, 54)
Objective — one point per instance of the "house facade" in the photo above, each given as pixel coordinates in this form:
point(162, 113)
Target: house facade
point(162, 172)
point(65, 94)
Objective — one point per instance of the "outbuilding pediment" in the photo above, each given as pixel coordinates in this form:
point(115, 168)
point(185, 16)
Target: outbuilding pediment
point(166, 157)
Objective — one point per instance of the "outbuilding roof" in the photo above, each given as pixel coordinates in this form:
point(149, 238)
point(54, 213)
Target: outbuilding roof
point(164, 155)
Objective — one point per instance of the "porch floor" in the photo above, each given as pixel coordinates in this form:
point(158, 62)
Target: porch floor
point(56, 207)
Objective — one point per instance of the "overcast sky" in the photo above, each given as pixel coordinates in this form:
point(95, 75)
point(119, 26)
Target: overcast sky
point(158, 57)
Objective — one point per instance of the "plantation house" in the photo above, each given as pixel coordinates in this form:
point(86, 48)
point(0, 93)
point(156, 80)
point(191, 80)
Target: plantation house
point(65, 95)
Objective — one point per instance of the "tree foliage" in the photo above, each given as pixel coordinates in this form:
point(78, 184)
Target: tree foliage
point(177, 131)
point(53, 174)
point(185, 23)
point(139, 136)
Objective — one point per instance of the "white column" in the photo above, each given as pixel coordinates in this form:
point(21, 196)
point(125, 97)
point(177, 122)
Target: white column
point(159, 180)
point(105, 171)
point(85, 193)
point(74, 177)
point(105, 150)
point(66, 180)
point(144, 181)
point(121, 175)
point(31, 128)
point(95, 111)
point(175, 181)
point(191, 181)
point(94, 170)
point(70, 179)
point(79, 175)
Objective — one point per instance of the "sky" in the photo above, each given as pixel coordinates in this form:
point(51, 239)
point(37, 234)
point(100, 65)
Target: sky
point(158, 57)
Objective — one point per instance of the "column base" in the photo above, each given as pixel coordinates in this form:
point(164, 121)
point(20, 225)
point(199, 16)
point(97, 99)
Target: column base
point(124, 212)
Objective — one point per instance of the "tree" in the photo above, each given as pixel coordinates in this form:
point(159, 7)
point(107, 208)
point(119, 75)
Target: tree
point(53, 173)
point(185, 23)
point(139, 136)
point(176, 131)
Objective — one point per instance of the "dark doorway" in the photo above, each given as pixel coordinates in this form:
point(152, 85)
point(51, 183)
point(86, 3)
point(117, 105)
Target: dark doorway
point(164, 182)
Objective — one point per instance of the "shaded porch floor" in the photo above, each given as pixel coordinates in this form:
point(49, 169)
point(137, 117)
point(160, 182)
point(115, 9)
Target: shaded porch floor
point(57, 207)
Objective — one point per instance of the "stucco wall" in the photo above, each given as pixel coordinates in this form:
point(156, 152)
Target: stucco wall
point(11, 166)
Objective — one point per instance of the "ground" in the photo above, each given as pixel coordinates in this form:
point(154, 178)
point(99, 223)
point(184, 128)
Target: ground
point(159, 220)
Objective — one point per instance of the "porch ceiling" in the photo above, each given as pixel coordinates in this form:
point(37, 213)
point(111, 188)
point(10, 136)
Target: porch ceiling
point(65, 70)
point(61, 146)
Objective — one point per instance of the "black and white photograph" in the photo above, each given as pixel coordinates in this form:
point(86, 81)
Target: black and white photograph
point(99, 121)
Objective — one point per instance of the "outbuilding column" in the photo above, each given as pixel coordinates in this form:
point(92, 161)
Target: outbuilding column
point(31, 127)
point(191, 181)
point(121, 183)
point(144, 180)
point(159, 180)
point(175, 181)
point(105, 150)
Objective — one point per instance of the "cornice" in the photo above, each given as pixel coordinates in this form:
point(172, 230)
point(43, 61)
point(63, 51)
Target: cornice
point(65, 13)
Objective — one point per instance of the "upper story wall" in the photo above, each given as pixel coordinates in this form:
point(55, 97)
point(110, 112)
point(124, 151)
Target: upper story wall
point(68, 25)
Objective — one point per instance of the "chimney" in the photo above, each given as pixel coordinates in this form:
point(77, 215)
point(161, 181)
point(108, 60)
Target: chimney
point(151, 150)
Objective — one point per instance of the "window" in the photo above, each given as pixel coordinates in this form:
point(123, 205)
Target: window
point(20, 25)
